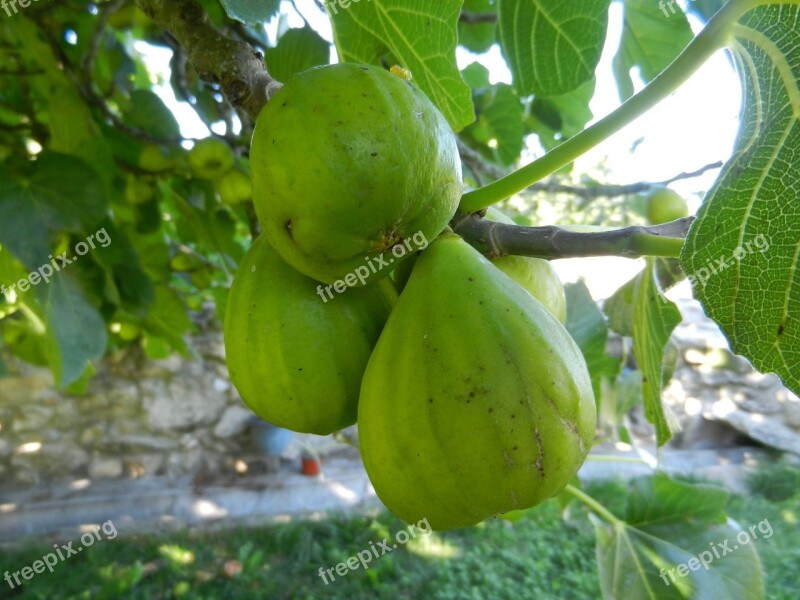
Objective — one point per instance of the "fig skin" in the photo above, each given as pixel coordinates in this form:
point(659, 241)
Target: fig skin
point(534, 274)
point(476, 401)
point(349, 161)
point(297, 361)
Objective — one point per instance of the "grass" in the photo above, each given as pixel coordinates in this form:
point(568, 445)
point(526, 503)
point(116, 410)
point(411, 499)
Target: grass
point(540, 556)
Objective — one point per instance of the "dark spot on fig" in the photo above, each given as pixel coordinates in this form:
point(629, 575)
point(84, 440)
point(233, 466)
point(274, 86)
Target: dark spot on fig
point(430, 400)
point(374, 154)
point(472, 394)
point(514, 448)
point(470, 279)
point(512, 416)
point(285, 104)
point(490, 410)
point(288, 227)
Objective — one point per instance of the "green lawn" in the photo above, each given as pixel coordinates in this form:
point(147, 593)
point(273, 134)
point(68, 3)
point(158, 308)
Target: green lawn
point(541, 556)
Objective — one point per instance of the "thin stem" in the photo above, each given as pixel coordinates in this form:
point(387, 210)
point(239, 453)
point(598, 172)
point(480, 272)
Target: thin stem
point(712, 38)
point(593, 504)
point(36, 322)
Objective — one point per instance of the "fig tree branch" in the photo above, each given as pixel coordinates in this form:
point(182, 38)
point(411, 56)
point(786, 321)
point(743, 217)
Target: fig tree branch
point(234, 64)
point(498, 239)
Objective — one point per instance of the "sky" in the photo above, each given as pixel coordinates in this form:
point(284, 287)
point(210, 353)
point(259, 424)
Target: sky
point(696, 126)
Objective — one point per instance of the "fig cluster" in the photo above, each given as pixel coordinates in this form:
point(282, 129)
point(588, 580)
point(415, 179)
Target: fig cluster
point(471, 398)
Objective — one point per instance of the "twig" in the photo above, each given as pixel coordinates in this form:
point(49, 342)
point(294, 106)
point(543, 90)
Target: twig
point(477, 163)
point(235, 64)
point(89, 95)
point(477, 18)
point(498, 239)
point(618, 190)
point(89, 59)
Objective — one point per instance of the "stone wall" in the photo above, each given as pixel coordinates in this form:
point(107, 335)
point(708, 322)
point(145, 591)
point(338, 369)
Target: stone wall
point(138, 417)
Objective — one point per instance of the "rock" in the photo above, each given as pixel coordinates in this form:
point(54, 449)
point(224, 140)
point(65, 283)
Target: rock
point(105, 468)
point(143, 465)
point(145, 442)
point(714, 386)
point(189, 402)
point(19, 391)
point(233, 422)
point(33, 418)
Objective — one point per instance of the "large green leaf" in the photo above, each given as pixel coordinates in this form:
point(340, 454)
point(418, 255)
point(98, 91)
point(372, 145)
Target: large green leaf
point(297, 50)
point(148, 112)
point(676, 542)
point(251, 12)
point(415, 34)
point(499, 131)
point(654, 319)
point(558, 118)
point(75, 328)
point(588, 327)
point(62, 195)
point(649, 41)
point(743, 251)
point(552, 46)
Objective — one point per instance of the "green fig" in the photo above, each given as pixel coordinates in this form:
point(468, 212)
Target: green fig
point(235, 187)
point(665, 205)
point(348, 162)
point(211, 159)
point(534, 274)
point(476, 401)
point(295, 357)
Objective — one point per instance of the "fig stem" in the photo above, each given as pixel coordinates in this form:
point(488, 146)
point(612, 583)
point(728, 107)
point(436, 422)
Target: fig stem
point(594, 505)
point(713, 38)
point(499, 239)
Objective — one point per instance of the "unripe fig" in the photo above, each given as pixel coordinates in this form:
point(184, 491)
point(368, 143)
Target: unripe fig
point(476, 401)
point(534, 274)
point(235, 187)
point(296, 359)
point(211, 159)
point(156, 159)
point(665, 205)
point(349, 161)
